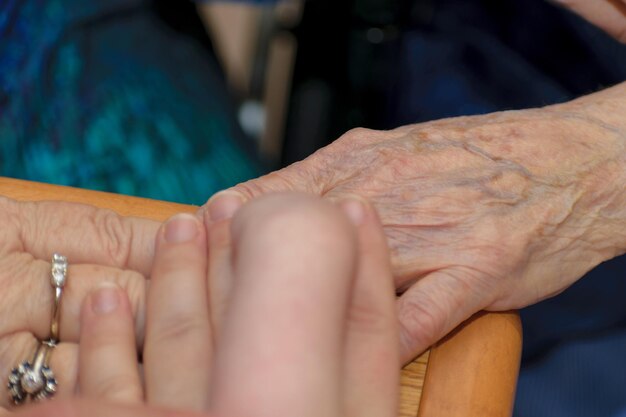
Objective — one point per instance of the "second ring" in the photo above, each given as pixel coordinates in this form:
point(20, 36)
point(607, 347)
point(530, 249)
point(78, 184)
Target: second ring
point(58, 277)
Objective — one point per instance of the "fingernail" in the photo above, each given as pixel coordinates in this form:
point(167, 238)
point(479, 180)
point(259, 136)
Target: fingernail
point(181, 228)
point(355, 210)
point(105, 299)
point(224, 206)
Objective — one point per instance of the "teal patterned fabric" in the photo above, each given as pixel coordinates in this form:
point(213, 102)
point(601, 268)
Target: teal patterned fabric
point(103, 95)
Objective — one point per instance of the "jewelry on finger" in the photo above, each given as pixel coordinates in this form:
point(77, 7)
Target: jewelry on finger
point(33, 379)
point(58, 276)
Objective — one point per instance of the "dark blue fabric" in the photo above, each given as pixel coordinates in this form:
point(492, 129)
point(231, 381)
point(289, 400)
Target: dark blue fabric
point(479, 56)
point(574, 349)
point(579, 377)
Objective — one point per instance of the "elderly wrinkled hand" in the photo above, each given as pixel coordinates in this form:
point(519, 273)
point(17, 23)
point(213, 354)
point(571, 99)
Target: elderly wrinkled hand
point(102, 247)
point(489, 212)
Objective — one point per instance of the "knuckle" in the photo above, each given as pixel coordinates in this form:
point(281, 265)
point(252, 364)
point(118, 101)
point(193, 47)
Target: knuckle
point(357, 133)
point(421, 324)
point(249, 189)
point(273, 182)
point(132, 281)
point(349, 140)
point(115, 235)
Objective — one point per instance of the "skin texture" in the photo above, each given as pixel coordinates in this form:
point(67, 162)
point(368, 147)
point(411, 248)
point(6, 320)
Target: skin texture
point(334, 330)
point(334, 333)
point(490, 212)
point(493, 212)
point(609, 15)
point(94, 408)
point(101, 247)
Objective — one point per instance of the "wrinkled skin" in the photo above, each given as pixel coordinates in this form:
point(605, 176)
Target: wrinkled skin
point(343, 358)
point(100, 246)
point(492, 212)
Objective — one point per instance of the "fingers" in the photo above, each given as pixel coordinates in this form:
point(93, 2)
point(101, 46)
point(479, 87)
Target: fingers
point(20, 347)
point(222, 206)
point(609, 15)
point(84, 234)
point(177, 351)
point(94, 408)
point(296, 177)
point(434, 306)
point(220, 271)
point(286, 318)
point(108, 367)
point(30, 297)
point(64, 364)
point(372, 351)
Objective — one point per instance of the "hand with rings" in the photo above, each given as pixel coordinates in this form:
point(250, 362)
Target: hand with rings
point(52, 256)
point(293, 320)
point(34, 379)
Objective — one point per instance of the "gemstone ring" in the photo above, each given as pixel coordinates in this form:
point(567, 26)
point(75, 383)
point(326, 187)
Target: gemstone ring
point(33, 378)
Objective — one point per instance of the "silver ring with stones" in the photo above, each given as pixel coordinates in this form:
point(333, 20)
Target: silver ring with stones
point(58, 276)
point(33, 379)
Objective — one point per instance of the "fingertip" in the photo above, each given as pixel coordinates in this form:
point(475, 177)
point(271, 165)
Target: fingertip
point(181, 228)
point(107, 355)
point(177, 343)
point(223, 206)
point(359, 211)
point(102, 300)
point(106, 304)
point(355, 209)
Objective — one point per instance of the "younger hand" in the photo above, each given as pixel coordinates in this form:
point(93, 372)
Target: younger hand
point(308, 327)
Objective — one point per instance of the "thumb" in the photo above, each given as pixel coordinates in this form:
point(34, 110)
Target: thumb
point(296, 177)
point(433, 307)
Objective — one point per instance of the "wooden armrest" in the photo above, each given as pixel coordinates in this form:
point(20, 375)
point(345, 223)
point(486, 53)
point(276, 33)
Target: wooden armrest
point(471, 373)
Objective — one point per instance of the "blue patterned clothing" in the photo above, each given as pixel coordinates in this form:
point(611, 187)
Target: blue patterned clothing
point(104, 95)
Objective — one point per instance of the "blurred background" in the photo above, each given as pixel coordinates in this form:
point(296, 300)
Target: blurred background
point(177, 100)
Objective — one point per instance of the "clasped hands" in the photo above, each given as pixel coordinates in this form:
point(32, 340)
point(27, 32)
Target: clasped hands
point(491, 212)
point(285, 310)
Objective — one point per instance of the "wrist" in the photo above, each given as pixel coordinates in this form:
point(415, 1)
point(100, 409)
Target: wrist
point(600, 120)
